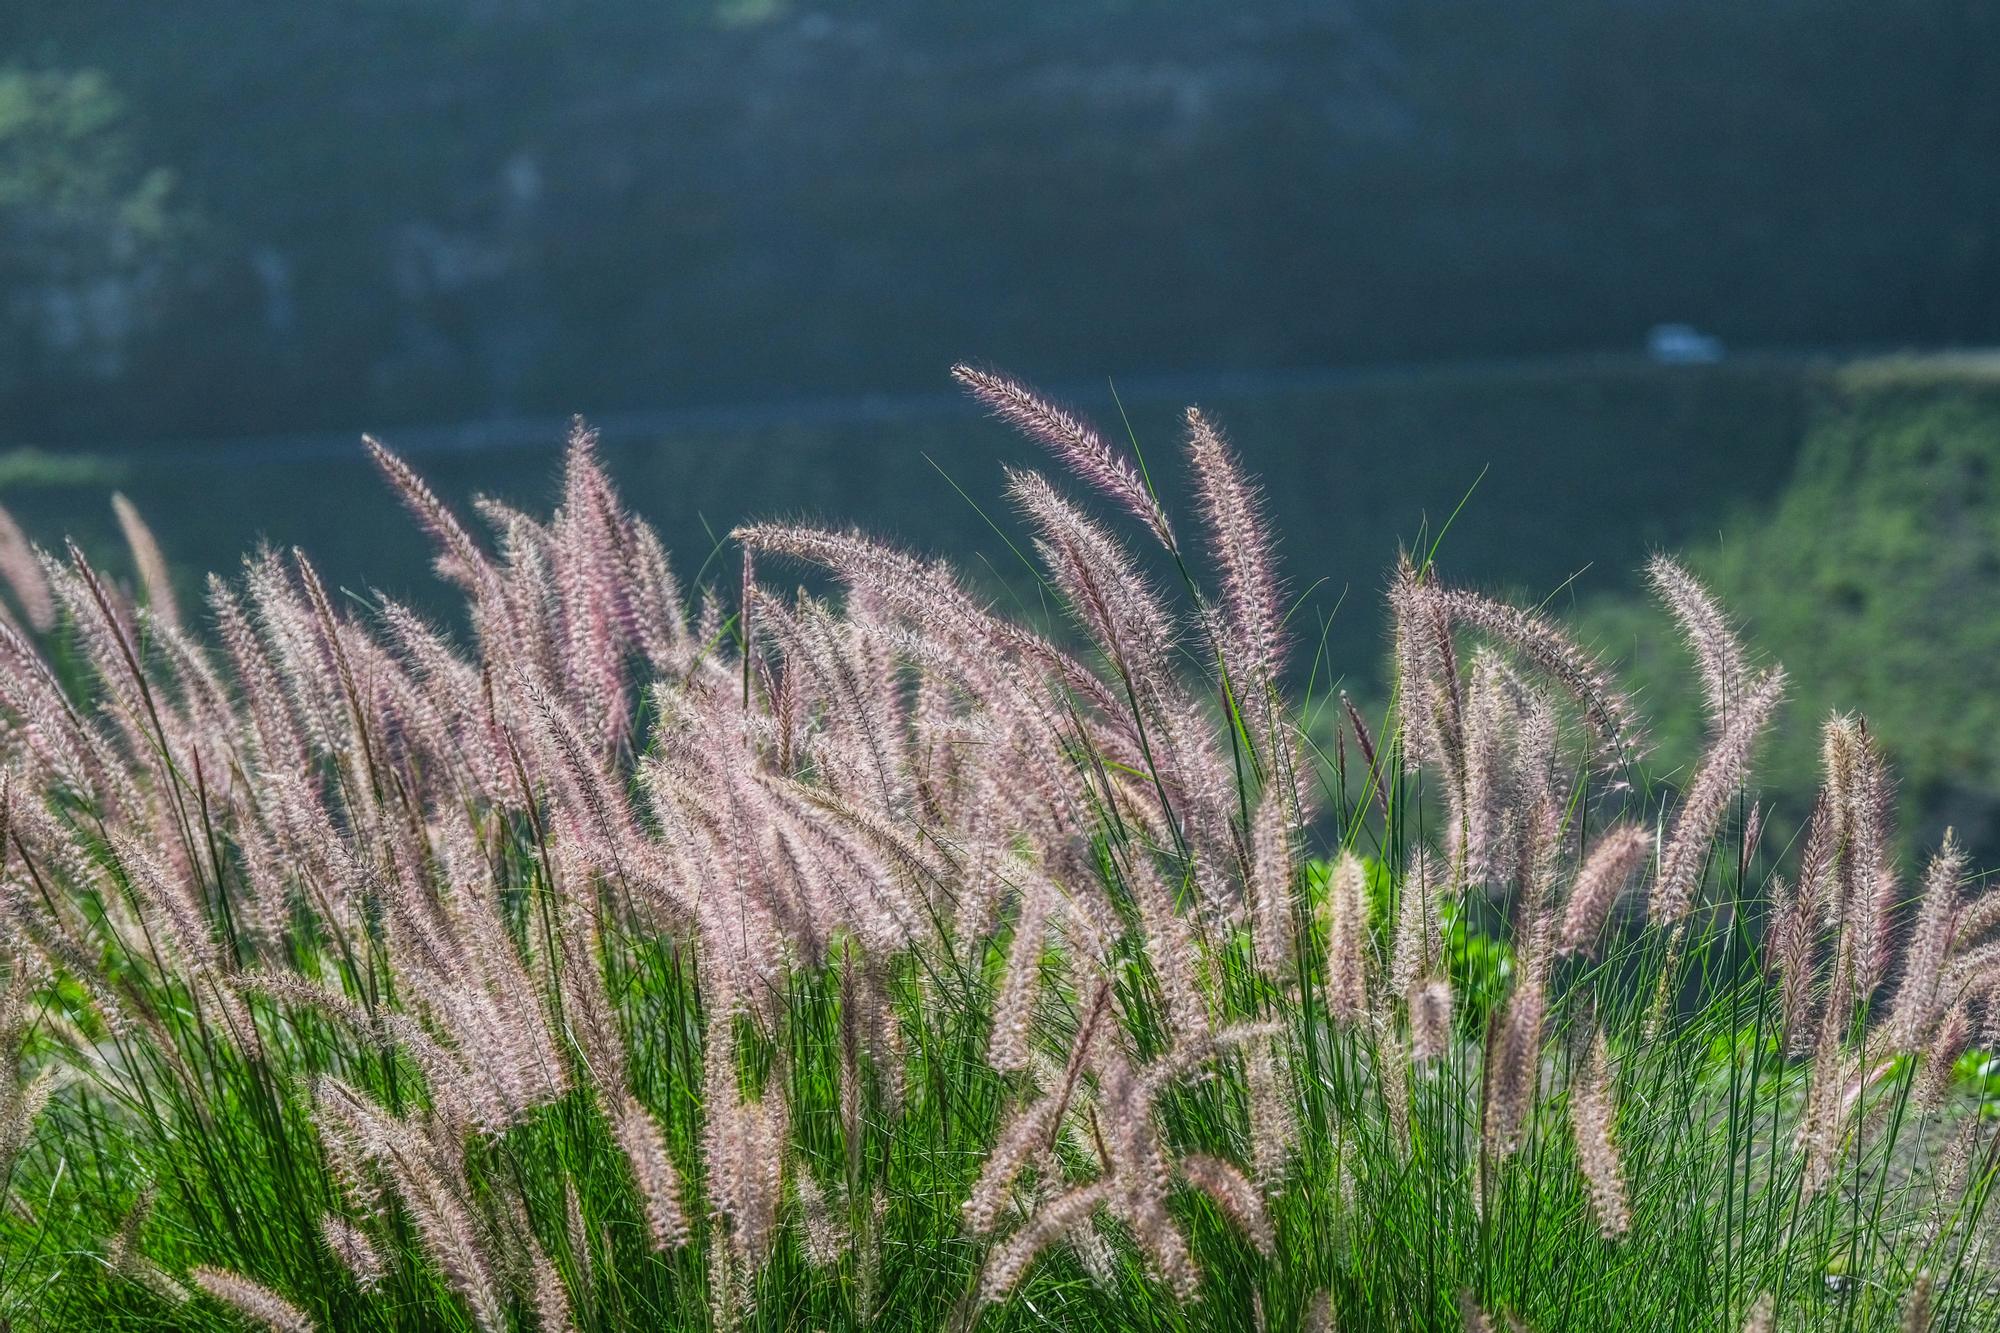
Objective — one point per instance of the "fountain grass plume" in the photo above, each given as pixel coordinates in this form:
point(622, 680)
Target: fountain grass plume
point(628, 953)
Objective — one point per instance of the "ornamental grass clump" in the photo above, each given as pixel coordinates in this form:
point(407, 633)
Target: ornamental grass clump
point(632, 955)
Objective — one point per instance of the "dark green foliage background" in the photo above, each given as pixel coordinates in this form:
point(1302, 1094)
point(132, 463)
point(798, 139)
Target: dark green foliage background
point(404, 211)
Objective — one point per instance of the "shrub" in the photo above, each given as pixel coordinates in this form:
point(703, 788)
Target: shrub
point(800, 963)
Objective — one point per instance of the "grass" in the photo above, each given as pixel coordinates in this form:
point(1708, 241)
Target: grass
point(1879, 561)
point(657, 966)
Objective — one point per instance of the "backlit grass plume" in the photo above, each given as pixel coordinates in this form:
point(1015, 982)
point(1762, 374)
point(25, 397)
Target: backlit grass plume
point(623, 954)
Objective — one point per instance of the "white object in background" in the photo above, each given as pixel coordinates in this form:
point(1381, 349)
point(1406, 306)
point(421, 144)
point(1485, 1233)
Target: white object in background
point(1682, 345)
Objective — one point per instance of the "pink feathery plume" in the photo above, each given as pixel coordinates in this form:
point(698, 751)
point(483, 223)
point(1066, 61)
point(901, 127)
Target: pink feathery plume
point(1023, 1139)
point(1430, 1020)
point(1540, 852)
point(1537, 775)
point(1113, 601)
point(212, 720)
point(1917, 997)
point(1980, 915)
point(641, 586)
point(809, 896)
point(825, 1237)
point(1841, 758)
point(429, 1180)
point(103, 621)
point(1861, 796)
point(1347, 940)
point(1117, 607)
point(1082, 449)
point(54, 736)
point(1706, 801)
point(1513, 1066)
point(1493, 795)
point(415, 730)
point(23, 1103)
point(1821, 1128)
point(298, 652)
point(712, 867)
point(1170, 946)
point(873, 876)
point(1592, 1113)
point(545, 1284)
point(252, 1300)
point(1233, 1193)
point(459, 557)
point(1419, 936)
point(822, 646)
point(280, 743)
point(866, 640)
point(589, 807)
point(1375, 777)
point(1790, 939)
point(337, 642)
point(1020, 979)
point(1605, 874)
point(173, 908)
point(868, 833)
point(638, 1136)
point(1940, 1059)
point(155, 736)
point(1079, 1051)
point(452, 688)
point(1139, 1169)
point(1271, 877)
point(1274, 1126)
point(1201, 793)
point(22, 572)
point(590, 580)
point(1234, 512)
point(654, 601)
point(1838, 854)
point(743, 1142)
point(980, 645)
point(1544, 643)
point(513, 529)
point(1817, 881)
point(739, 929)
point(1724, 675)
point(357, 1254)
point(283, 833)
point(918, 590)
point(1427, 684)
point(151, 564)
point(1052, 1221)
point(521, 1053)
point(531, 595)
point(587, 1014)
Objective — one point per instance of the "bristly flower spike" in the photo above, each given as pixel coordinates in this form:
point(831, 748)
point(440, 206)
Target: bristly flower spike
point(1234, 513)
point(1080, 447)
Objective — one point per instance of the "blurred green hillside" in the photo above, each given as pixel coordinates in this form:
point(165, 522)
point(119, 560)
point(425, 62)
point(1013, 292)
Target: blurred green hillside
point(1875, 577)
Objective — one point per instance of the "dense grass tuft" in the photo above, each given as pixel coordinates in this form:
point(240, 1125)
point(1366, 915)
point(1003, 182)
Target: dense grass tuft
point(746, 959)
